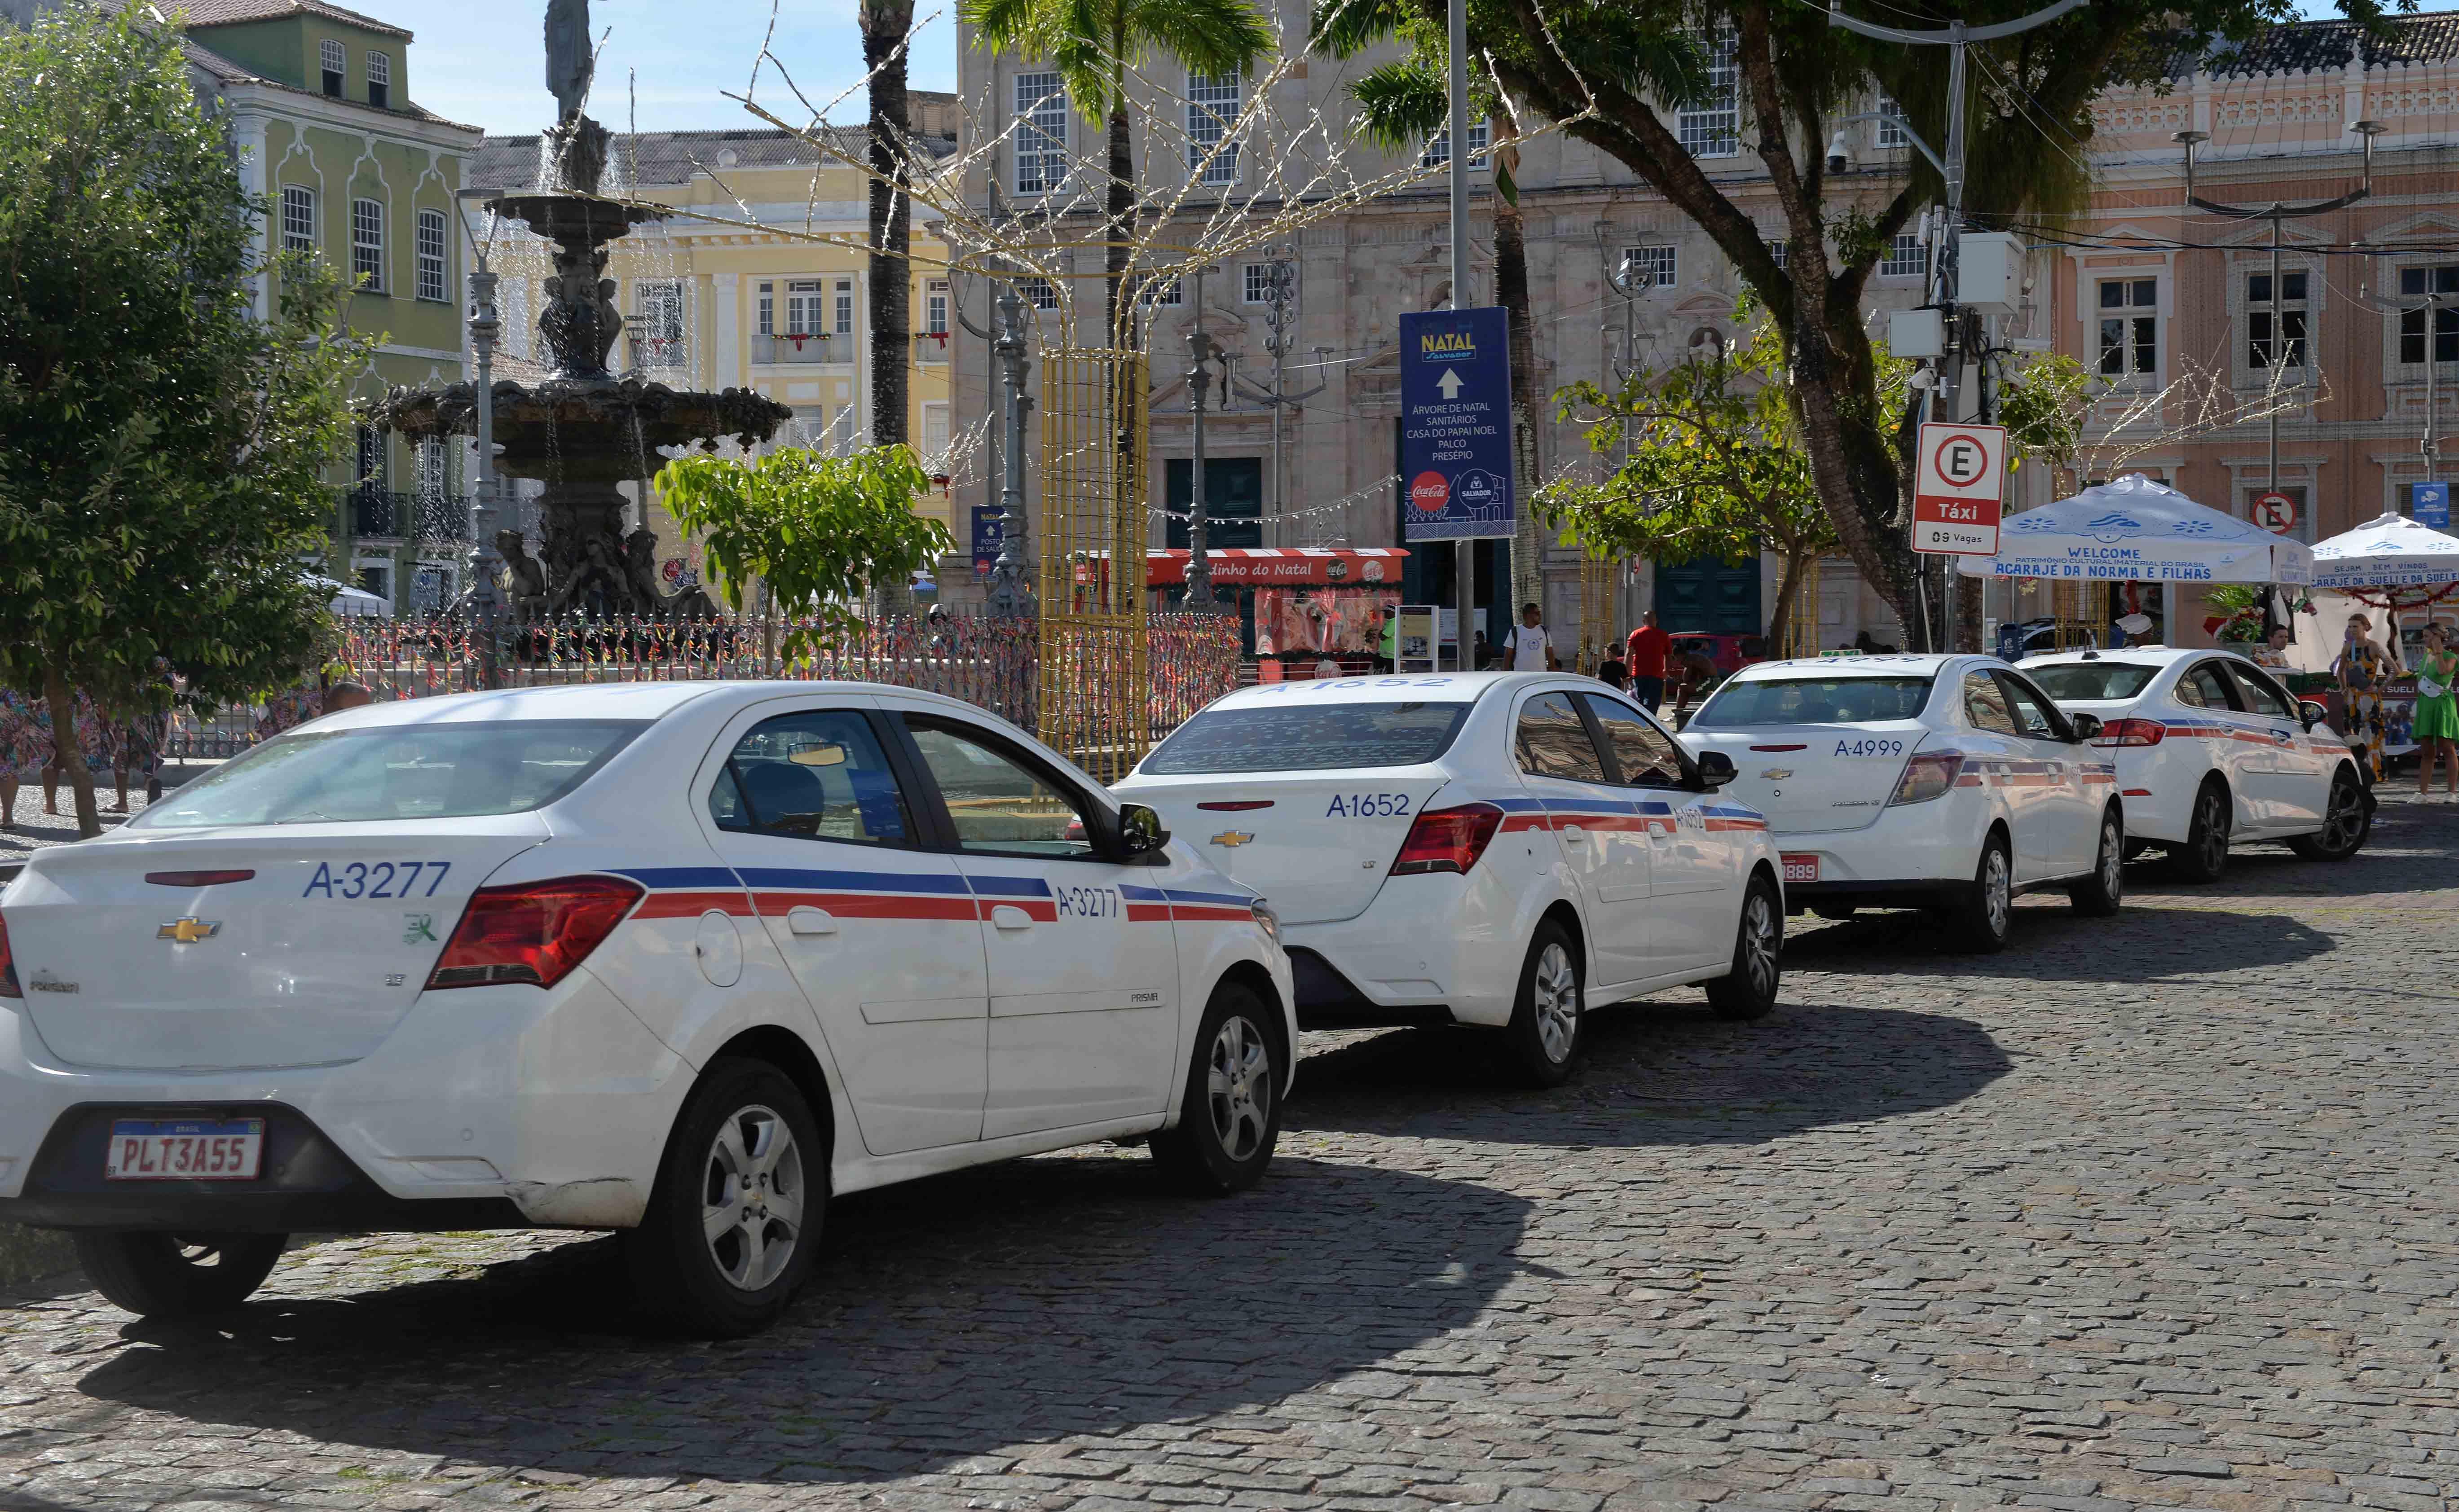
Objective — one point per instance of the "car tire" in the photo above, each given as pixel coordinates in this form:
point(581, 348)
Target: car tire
point(2102, 893)
point(2348, 823)
point(1749, 990)
point(1544, 1034)
point(166, 1276)
point(1984, 918)
point(1229, 1115)
point(744, 1146)
point(2204, 855)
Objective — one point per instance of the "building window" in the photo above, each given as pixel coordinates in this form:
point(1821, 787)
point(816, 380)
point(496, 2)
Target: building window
point(426, 465)
point(380, 79)
point(934, 347)
point(1907, 257)
point(1039, 293)
point(803, 308)
point(844, 308)
point(1255, 286)
point(335, 66)
point(768, 326)
point(430, 255)
point(1438, 147)
point(1166, 293)
point(934, 438)
point(366, 243)
point(298, 219)
point(659, 330)
point(1778, 248)
point(1716, 129)
point(2259, 343)
point(1651, 266)
point(1893, 130)
point(1041, 134)
point(1211, 117)
point(2415, 284)
point(2130, 327)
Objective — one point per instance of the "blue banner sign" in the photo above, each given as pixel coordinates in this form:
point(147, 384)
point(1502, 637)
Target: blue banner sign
point(2429, 504)
point(1456, 425)
point(987, 539)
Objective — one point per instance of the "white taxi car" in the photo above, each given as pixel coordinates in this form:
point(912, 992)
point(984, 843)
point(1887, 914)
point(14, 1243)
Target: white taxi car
point(2210, 751)
point(1943, 782)
point(1497, 849)
point(679, 959)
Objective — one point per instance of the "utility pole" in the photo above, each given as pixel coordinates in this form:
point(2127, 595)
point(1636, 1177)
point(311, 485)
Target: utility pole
point(1456, 34)
point(1280, 318)
point(992, 475)
point(1199, 547)
point(1955, 37)
point(1009, 593)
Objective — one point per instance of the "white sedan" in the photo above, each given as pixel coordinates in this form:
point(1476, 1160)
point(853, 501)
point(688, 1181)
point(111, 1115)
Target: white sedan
point(1943, 782)
point(683, 960)
point(2210, 750)
point(1498, 849)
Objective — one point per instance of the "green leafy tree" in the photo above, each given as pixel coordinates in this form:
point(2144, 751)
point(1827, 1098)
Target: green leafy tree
point(161, 449)
point(1587, 64)
point(1094, 45)
point(818, 530)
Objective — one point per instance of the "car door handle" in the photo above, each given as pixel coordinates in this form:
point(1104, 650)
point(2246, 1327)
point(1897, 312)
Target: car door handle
point(1574, 833)
point(811, 921)
point(1008, 917)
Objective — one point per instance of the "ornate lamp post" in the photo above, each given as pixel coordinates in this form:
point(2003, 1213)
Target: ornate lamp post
point(1009, 593)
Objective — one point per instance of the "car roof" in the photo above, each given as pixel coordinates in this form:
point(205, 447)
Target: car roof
point(1901, 664)
point(601, 700)
point(2158, 654)
point(1389, 687)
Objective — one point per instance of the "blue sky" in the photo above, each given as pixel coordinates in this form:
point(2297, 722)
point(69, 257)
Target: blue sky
point(485, 64)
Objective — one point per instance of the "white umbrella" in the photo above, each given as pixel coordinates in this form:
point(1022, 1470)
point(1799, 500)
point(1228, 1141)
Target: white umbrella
point(353, 604)
point(2393, 551)
point(2138, 531)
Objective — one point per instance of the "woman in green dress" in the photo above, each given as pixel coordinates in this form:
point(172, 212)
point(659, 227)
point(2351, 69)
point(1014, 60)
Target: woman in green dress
point(2437, 712)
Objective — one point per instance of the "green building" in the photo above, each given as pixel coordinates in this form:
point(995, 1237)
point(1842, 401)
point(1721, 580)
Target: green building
point(319, 101)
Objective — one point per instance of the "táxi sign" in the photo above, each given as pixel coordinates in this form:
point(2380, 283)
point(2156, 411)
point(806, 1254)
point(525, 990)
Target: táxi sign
point(1958, 488)
point(1456, 425)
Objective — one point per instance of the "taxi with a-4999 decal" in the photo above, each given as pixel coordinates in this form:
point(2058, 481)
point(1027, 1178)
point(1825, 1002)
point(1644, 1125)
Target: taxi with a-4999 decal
point(1497, 849)
point(683, 960)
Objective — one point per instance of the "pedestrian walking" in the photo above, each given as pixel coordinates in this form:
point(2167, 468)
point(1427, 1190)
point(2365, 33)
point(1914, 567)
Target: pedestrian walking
point(1646, 651)
point(1529, 648)
point(1613, 672)
point(2362, 669)
point(2437, 712)
point(24, 747)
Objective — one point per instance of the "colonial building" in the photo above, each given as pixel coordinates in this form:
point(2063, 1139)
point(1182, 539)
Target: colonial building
point(759, 279)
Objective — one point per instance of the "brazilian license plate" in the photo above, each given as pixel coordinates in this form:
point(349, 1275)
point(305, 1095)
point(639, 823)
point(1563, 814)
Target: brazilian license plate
point(185, 1150)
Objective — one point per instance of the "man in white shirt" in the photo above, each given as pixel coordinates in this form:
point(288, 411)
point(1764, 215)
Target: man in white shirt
point(1529, 648)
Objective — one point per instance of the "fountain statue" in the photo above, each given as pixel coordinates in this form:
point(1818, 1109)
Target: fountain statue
point(582, 430)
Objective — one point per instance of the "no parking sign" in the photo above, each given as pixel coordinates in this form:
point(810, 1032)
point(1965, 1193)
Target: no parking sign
point(1959, 488)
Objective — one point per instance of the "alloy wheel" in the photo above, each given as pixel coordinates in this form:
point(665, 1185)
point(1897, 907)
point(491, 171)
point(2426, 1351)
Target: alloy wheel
point(1556, 1000)
point(2215, 836)
point(1239, 1087)
point(2113, 860)
point(2348, 809)
point(1759, 944)
point(751, 1197)
point(1997, 889)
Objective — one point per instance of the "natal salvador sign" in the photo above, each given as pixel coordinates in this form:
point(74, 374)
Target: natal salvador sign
point(1455, 425)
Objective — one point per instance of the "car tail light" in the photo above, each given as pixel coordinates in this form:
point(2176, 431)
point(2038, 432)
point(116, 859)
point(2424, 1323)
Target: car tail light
point(1929, 774)
point(534, 932)
point(2130, 732)
point(9, 987)
point(196, 879)
point(1447, 839)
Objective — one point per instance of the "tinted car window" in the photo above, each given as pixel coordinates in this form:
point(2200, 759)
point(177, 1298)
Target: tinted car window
point(1316, 737)
point(1815, 701)
point(2032, 715)
point(1554, 741)
point(396, 772)
point(2261, 696)
point(2205, 686)
point(2088, 681)
point(1985, 705)
point(813, 775)
point(1643, 754)
point(999, 805)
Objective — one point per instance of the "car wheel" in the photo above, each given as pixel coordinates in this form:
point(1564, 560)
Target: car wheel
point(1749, 990)
point(2204, 855)
point(1545, 1029)
point(2348, 823)
point(1230, 1116)
point(735, 1217)
point(170, 1275)
point(2099, 895)
point(1984, 918)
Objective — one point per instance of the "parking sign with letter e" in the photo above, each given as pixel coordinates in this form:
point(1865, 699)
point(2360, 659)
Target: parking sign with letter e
point(1958, 489)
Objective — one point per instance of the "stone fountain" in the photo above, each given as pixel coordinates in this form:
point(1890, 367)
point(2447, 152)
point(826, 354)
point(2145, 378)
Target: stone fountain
point(582, 431)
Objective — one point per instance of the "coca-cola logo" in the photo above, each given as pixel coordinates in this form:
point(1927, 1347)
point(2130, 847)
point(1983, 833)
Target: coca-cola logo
point(1430, 491)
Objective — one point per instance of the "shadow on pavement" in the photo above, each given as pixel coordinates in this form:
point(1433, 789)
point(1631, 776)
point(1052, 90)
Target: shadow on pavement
point(1659, 1071)
point(2053, 943)
point(951, 1317)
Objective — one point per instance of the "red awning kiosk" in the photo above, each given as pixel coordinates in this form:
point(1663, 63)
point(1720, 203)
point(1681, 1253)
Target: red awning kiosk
point(1268, 567)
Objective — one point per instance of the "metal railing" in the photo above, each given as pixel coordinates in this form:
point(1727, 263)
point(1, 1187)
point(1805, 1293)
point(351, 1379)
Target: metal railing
point(810, 346)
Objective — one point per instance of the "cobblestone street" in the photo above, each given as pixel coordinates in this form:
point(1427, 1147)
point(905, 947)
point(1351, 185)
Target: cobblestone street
point(2149, 1213)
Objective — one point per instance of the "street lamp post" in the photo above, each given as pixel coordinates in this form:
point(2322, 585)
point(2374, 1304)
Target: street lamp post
point(1009, 593)
point(480, 596)
point(1199, 561)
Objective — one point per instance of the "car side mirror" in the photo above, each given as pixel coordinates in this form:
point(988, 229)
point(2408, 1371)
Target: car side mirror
point(1141, 831)
point(2087, 727)
point(1716, 769)
point(2310, 713)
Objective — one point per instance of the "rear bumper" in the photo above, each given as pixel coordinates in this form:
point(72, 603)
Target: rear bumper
point(1799, 896)
point(1907, 849)
point(1437, 948)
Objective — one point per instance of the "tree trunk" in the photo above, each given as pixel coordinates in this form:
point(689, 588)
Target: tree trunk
point(1121, 221)
point(61, 700)
point(885, 24)
point(1788, 588)
point(1511, 292)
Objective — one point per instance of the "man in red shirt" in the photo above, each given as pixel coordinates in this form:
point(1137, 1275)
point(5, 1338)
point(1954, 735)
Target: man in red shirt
point(1647, 658)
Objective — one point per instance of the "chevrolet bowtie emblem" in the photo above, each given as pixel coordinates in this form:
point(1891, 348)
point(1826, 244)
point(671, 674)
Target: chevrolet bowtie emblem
point(189, 931)
point(1231, 837)
point(1776, 773)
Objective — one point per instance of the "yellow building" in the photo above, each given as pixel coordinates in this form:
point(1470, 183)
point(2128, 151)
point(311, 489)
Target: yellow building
point(743, 295)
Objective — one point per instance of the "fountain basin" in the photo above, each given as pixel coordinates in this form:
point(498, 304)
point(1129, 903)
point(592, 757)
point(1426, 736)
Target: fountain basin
point(587, 431)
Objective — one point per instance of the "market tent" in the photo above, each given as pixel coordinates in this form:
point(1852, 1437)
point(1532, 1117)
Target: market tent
point(2134, 529)
point(2392, 552)
point(353, 604)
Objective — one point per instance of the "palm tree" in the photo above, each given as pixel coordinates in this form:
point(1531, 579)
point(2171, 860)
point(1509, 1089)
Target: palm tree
point(1090, 43)
point(884, 24)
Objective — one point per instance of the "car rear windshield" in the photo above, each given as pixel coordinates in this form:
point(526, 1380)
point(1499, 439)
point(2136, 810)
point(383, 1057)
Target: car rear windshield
point(1320, 737)
point(1815, 701)
point(2084, 681)
point(396, 772)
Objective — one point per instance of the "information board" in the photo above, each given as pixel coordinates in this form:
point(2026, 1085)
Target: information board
point(1456, 425)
